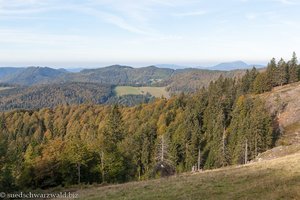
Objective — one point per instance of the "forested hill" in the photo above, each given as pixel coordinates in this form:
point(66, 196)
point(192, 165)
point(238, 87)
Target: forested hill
point(43, 87)
point(49, 96)
point(30, 75)
point(114, 75)
point(190, 80)
point(223, 124)
point(122, 75)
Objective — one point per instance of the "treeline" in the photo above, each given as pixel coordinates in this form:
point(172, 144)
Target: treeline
point(52, 95)
point(220, 125)
point(130, 99)
point(276, 74)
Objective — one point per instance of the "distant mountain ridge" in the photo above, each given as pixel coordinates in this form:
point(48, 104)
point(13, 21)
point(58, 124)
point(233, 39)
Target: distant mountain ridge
point(225, 66)
point(175, 80)
point(233, 65)
point(37, 87)
point(30, 75)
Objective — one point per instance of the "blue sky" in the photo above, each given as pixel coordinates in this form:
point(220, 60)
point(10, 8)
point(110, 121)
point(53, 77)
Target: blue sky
point(88, 33)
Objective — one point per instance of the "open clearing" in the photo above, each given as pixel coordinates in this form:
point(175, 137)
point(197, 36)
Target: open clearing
point(268, 179)
point(154, 91)
point(5, 88)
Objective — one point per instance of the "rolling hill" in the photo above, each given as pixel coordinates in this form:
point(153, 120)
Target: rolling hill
point(30, 75)
point(190, 80)
point(121, 75)
point(8, 71)
point(49, 96)
point(114, 75)
point(40, 84)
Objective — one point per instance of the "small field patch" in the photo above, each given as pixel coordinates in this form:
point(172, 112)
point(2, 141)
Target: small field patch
point(154, 91)
point(5, 88)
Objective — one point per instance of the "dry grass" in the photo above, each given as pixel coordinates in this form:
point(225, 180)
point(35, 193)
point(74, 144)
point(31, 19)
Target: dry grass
point(271, 179)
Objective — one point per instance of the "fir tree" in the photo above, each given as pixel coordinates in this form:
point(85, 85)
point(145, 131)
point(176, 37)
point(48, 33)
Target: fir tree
point(293, 69)
point(283, 73)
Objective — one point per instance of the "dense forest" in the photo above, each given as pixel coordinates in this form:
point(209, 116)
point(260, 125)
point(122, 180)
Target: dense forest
point(51, 95)
point(220, 125)
point(187, 80)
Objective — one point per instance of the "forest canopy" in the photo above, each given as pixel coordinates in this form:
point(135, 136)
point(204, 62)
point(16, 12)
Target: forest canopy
point(220, 125)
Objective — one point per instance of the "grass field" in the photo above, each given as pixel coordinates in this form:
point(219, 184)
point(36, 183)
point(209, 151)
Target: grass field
point(154, 91)
point(271, 179)
point(5, 88)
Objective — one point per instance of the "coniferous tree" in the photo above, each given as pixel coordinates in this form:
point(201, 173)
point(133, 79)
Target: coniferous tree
point(250, 131)
point(293, 69)
point(261, 83)
point(114, 163)
point(283, 73)
point(272, 74)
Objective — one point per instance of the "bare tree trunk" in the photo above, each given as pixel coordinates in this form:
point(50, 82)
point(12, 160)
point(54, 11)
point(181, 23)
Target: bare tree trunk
point(223, 146)
point(78, 168)
point(255, 144)
point(246, 152)
point(162, 148)
point(199, 158)
point(102, 165)
point(139, 171)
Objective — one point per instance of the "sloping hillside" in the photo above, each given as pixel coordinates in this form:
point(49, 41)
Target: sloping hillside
point(32, 75)
point(190, 80)
point(272, 179)
point(274, 174)
point(49, 96)
point(284, 102)
point(9, 71)
point(121, 75)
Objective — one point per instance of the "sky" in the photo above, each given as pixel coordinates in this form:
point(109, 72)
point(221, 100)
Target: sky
point(89, 33)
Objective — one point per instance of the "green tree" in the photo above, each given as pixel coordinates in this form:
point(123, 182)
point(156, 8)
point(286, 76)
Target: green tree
point(283, 73)
point(114, 162)
point(293, 69)
point(272, 74)
point(261, 83)
point(77, 153)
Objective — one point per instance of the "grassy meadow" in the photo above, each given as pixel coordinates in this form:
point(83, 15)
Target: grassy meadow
point(154, 91)
point(5, 88)
point(270, 179)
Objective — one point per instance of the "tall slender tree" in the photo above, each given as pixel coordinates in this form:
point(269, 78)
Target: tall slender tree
point(293, 69)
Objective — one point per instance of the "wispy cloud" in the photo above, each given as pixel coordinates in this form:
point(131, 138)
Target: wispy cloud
point(28, 37)
point(193, 13)
point(288, 2)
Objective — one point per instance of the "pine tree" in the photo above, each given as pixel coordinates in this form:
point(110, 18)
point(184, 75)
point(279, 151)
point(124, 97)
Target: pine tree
point(283, 74)
point(112, 158)
point(293, 69)
point(262, 83)
point(272, 74)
